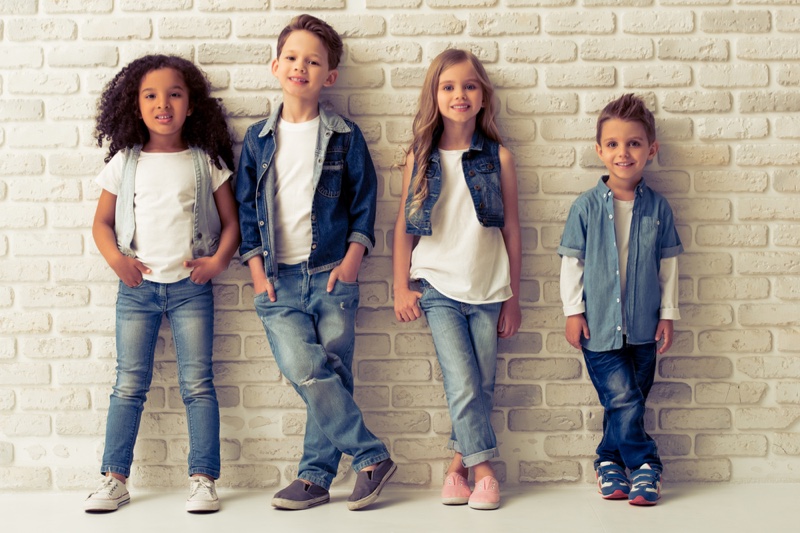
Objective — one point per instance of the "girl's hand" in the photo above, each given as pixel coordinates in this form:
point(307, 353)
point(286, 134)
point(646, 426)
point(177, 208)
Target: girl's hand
point(576, 327)
point(405, 304)
point(510, 318)
point(204, 268)
point(664, 331)
point(129, 270)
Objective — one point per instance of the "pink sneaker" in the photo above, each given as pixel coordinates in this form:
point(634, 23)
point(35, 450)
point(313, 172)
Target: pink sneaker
point(455, 490)
point(486, 495)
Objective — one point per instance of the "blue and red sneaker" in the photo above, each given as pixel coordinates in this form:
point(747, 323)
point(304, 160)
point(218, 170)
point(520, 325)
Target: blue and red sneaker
point(646, 486)
point(612, 483)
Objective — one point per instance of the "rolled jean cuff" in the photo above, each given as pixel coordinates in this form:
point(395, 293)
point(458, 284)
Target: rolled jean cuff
point(371, 461)
point(111, 469)
point(323, 482)
point(468, 461)
point(206, 471)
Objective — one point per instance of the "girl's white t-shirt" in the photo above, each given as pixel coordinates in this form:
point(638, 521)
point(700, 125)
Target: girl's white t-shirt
point(294, 189)
point(461, 259)
point(163, 208)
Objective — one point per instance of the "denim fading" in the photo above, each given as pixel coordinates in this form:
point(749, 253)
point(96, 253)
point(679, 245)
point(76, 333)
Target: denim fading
point(465, 337)
point(312, 335)
point(190, 310)
point(623, 379)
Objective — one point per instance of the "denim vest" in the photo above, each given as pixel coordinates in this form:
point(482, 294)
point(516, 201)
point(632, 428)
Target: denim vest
point(207, 227)
point(343, 207)
point(589, 235)
point(481, 164)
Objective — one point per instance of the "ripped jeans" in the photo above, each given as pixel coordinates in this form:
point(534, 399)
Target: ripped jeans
point(312, 333)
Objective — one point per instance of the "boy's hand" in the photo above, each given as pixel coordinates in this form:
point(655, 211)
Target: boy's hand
point(405, 304)
point(204, 269)
point(263, 285)
point(129, 270)
point(345, 272)
point(576, 327)
point(664, 331)
point(510, 318)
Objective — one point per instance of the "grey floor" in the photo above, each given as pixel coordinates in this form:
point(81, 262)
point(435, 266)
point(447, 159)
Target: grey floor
point(712, 508)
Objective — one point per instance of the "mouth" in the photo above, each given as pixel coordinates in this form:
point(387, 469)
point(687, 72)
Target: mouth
point(297, 80)
point(163, 118)
point(624, 165)
point(460, 107)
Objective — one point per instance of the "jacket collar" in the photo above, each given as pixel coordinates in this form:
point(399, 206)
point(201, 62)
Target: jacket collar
point(330, 121)
point(605, 192)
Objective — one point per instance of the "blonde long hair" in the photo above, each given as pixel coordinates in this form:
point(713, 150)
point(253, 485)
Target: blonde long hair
point(428, 125)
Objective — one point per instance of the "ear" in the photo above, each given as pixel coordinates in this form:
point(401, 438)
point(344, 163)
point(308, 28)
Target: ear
point(331, 79)
point(653, 151)
point(275, 67)
point(598, 149)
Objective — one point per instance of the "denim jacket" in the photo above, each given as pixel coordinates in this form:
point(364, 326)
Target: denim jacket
point(481, 164)
point(589, 235)
point(345, 193)
point(207, 226)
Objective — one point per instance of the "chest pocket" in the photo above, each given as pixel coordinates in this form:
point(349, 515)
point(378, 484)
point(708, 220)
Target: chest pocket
point(484, 180)
point(330, 181)
point(648, 232)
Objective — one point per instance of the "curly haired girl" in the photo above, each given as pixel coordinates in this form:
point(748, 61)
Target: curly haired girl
point(166, 224)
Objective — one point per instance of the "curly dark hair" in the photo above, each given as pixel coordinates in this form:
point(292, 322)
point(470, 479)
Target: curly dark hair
point(120, 124)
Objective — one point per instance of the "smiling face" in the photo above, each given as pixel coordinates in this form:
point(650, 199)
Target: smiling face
point(302, 68)
point(164, 106)
point(625, 151)
point(459, 94)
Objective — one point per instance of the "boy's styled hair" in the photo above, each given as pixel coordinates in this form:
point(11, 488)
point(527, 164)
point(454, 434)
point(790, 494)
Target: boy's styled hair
point(320, 28)
point(120, 123)
point(428, 125)
point(629, 108)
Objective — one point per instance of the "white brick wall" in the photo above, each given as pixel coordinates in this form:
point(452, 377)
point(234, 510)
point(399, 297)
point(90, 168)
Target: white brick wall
point(723, 79)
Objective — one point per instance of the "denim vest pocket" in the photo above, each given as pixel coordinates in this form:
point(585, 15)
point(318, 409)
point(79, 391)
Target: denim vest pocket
point(484, 179)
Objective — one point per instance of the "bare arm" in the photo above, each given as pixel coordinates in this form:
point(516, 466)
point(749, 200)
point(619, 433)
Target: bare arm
point(128, 269)
point(405, 300)
point(510, 313)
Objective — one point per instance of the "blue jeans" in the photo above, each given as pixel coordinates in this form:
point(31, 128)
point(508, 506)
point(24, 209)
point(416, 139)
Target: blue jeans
point(623, 379)
point(190, 310)
point(465, 337)
point(312, 335)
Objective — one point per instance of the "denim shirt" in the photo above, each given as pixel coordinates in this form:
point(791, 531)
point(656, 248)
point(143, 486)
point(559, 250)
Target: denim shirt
point(589, 235)
point(345, 193)
point(481, 164)
point(206, 228)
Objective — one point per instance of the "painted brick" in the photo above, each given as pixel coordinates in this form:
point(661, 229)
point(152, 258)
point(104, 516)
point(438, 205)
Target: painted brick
point(583, 22)
point(490, 25)
point(730, 21)
point(713, 470)
point(540, 51)
point(657, 76)
point(658, 22)
point(549, 471)
point(697, 49)
point(730, 393)
point(766, 417)
point(688, 419)
point(544, 419)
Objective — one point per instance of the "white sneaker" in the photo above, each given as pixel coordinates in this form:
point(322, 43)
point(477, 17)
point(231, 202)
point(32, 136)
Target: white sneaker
point(109, 496)
point(202, 496)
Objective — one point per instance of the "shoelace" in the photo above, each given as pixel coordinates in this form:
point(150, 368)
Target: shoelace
point(202, 485)
point(106, 488)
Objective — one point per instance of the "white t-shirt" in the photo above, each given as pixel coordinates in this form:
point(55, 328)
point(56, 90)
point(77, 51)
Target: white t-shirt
point(461, 259)
point(163, 208)
point(294, 189)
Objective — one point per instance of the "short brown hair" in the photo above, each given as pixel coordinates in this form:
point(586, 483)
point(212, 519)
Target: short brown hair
point(320, 28)
point(629, 108)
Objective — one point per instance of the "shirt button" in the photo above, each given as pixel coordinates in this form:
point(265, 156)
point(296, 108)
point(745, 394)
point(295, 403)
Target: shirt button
point(619, 328)
point(266, 253)
point(313, 246)
point(471, 172)
point(610, 216)
point(260, 222)
point(477, 187)
point(264, 165)
point(617, 300)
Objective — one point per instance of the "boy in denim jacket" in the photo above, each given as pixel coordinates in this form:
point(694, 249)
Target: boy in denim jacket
point(307, 191)
point(619, 288)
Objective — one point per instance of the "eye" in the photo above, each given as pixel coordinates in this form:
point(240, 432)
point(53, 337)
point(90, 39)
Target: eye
point(635, 144)
point(447, 87)
point(176, 95)
point(312, 62)
point(289, 58)
point(149, 96)
point(471, 86)
point(611, 144)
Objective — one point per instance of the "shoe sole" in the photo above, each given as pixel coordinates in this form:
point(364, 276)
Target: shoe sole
point(484, 506)
point(616, 495)
point(369, 500)
point(641, 500)
point(455, 501)
point(295, 505)
point(109, 506)
point(202, 507)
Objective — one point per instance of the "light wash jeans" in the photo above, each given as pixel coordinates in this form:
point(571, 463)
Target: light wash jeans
point(312, 335)
point(623, 379)
point(465, 337)
point(190, 310)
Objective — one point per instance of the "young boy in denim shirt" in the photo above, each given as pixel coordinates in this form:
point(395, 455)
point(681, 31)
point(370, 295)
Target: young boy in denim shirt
point(307, 191)
point(619, 288)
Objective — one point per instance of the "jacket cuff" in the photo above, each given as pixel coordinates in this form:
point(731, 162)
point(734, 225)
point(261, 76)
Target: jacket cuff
point(252, 253)
point(360, 238)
